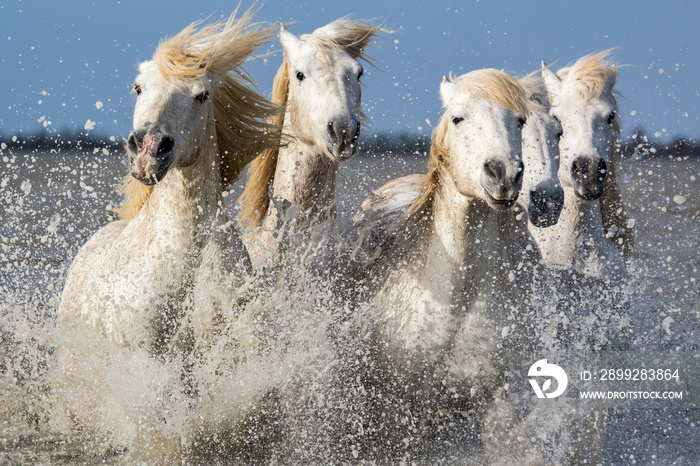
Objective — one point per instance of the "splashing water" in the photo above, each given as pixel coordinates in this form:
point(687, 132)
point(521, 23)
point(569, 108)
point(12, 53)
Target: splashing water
point(283, 379)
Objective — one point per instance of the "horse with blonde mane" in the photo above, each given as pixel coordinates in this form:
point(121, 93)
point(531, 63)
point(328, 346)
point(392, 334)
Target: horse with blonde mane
point(593, 235)
point(587, 249)
point(451, 271)
point(319, 85)
point(164, 277)
point(195, 127)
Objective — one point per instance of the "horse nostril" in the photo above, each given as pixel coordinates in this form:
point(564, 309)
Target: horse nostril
point(132, 143)
point(135, 140)
point(166, 145)
point(602, 169)
point(576, 168)
point(519, 174)
point(331, 130)
point(494, 170)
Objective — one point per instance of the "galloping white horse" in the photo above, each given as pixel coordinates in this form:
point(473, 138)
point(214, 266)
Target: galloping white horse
point(593, 235)
point(589, 244)
point(319, 81)
point(452, 274)
point(195, 125)
point(165, 279)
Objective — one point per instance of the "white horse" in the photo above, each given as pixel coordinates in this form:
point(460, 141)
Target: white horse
point(593, 235)
point(451, 270)
point(319, 81)
point(174, 260)
point(587, 248)
point(195, 127)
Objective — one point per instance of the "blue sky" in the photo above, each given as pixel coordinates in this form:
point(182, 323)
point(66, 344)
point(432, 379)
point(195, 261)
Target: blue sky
point(58, 59)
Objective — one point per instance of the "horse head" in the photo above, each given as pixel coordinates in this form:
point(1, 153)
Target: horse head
point(324, 74)
point(482, 133)
point(541, 196)
point(193, 98)
point(170, 123)
point(583, 101)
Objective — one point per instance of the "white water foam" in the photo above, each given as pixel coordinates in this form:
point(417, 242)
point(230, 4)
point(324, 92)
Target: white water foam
point(283, 380)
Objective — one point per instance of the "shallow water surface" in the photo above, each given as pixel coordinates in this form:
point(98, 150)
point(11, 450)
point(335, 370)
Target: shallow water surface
point(51, 202)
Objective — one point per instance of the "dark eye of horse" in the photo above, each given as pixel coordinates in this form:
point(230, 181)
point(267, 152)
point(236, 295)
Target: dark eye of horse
point(300, 76)
point(521, 122)
point(137, 89)
point(611, 118)
point(202, 97)
point(457, 120)
point(359, 75)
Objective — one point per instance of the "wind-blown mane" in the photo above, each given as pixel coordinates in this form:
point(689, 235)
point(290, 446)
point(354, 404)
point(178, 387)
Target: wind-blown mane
point(255, 200)
point(488, 84)
point(351, 36)
point(589, 76)
point(241, 113)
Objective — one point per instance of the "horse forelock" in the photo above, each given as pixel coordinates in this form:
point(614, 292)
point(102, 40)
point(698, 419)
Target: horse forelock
point(497, 86)
point(592, 76)
point(534, 85)
point(351, 36)
point(220, 47)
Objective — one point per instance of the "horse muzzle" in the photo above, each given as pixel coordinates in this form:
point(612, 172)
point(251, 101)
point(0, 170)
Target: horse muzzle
point(501, 187)
point(151, 155)
point(545, 206)
point(588, 175)
point(342, 138)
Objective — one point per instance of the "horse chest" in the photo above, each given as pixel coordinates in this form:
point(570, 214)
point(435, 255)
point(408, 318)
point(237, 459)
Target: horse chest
point(134, 278)
point(578, 241)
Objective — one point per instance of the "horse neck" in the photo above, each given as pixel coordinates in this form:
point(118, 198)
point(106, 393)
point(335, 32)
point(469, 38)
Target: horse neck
point(305, 178)
point(186, 202)
point(457, 224)
point(578, 238)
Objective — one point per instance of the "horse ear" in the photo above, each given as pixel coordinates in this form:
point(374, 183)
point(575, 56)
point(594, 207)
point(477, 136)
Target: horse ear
point(551, 80)
point(447, 90)
point(290, 43)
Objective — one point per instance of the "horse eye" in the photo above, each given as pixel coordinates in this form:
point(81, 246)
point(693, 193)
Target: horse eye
point(611, 118)
point(457, 120)
point(300, 76)
point(202, 97)
point(359, 75)
point(137, 89)
point(521, 122)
